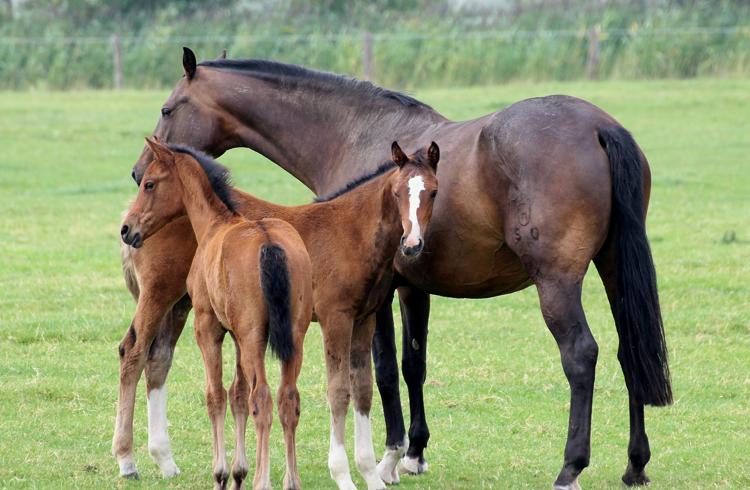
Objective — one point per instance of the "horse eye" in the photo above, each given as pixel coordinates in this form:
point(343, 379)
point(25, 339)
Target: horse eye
point(397, 194)
point(165, 111)
point(149, 186)
point(433, 194)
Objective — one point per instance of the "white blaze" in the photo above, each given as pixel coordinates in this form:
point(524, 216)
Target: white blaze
point(416, 186)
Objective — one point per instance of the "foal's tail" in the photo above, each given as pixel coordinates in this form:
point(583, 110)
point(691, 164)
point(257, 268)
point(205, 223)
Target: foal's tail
point(274, 281)
point(643, 349)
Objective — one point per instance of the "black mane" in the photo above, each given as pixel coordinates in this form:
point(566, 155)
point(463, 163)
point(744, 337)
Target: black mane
point(274, 69)
point(383, 168)
point(218, 175)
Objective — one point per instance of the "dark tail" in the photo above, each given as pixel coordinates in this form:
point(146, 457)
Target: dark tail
point(643, 349)
point(274, 281)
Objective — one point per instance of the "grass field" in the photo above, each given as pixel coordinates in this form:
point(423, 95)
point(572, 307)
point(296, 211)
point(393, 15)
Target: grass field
point(496, 396)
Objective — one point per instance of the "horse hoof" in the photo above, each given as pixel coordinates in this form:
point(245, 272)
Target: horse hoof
point(570, 486)
point(388, 473)
point(633, 478)
point(413, 466)
point(131, 476)
point(170, 470)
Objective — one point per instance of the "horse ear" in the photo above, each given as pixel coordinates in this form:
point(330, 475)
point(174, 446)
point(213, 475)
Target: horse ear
point(223, 54)
point(433, 155)
point(161, 152)
point(398, 155)
point(188, 62)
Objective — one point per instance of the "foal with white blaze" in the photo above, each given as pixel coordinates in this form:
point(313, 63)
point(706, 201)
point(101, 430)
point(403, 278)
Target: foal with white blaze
point(252, 279)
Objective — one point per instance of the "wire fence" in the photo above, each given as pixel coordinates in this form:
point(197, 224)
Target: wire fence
point(400, 59)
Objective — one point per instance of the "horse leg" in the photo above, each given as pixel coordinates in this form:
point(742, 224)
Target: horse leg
point(415, 313)
point(157, 369)
point(289, 410)
point(253, 348)
point(560, 301)
point(639, 452)
point(133, 352)
point(238, 402)
point(337, 336)
point(387, 377)
point(361, 384)
point(210, 335)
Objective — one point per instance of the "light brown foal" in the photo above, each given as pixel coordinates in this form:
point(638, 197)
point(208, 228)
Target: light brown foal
point(250, 278)
point(352, 237)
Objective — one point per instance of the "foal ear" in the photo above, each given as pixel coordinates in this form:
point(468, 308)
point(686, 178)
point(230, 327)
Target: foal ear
point(223, 54)
point(189, 64)
point(160, 151)
point(433, 155)
point(398, 155)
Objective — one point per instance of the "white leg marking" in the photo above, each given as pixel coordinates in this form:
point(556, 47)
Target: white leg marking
point(364, 452)
point(338, 463)
point(416, 186)
point(158, 438)
point(573, 486)
point(388, 466)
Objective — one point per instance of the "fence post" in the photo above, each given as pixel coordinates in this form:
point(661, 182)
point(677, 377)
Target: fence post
point(117, 62)
point(367, 61)
point(592, 60)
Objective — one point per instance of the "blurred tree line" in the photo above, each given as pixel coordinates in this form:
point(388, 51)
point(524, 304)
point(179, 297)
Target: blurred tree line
point(67, 43)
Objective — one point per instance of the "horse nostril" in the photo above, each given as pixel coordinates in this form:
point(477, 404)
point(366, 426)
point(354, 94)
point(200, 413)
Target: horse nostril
point(132, 174)
point(403, 240)
point(419, 245)
point(124, 230)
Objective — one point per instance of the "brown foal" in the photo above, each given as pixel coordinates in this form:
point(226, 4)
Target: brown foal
point(352, 237)
point(250, 278)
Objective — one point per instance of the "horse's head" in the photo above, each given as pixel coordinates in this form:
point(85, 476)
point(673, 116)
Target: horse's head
point(159, 198)
point(190, 116)
point(415, 189)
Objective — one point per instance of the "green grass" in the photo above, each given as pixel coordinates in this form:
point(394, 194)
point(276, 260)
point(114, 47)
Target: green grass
point(496, 395)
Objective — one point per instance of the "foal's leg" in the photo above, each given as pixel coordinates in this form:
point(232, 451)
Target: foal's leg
point(387, 377)
point(133, 349)
point(253, 349)
point(337, 335)
point(639, 452)
point(415, 313)
point(238, 398)
point(560, 300)
point(157, 368)
point(289, 409)
point(210, 335)
point(361, 388)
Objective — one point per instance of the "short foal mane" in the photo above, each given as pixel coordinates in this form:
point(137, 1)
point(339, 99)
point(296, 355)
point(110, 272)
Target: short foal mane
point(273, 70)
point(218, 175)
point(383, 168)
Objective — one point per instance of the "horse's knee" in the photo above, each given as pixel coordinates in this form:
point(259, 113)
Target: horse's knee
point(128, 342)
point(414, 369)
point(289, 405)
point(216, 399)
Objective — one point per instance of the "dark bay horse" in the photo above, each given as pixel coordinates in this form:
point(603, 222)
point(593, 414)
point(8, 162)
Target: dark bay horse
point(531, 194)
point(250, 278)
point(352, 237)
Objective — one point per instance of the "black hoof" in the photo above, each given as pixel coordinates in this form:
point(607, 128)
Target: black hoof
point(635, 478)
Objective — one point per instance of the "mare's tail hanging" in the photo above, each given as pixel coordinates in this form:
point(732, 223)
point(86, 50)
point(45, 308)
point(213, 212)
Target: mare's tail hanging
point(643, 348)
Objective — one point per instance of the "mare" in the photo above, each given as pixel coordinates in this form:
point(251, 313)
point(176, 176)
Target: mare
point(352, 237)
point(252, 279)
point(532, 195)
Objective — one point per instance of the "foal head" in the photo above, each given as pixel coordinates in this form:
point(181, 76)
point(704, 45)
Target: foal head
point(160, 194)
point(415, 190)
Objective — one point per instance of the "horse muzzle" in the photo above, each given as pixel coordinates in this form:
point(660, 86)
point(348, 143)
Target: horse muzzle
point(411, 250)
point(131, 237)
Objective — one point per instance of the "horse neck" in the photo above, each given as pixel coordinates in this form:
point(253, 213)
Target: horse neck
point(203, 207)
point(324, 137)
point(366, 208)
